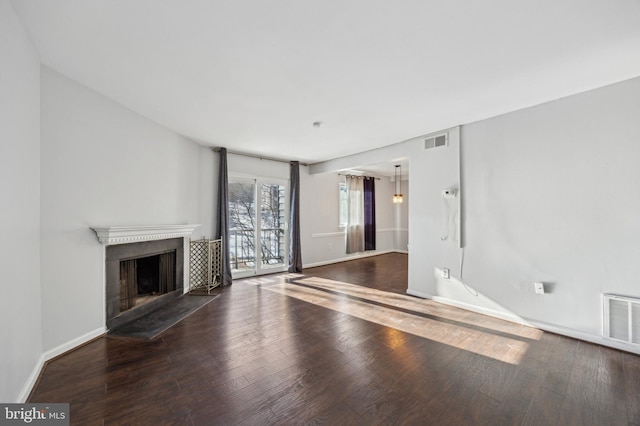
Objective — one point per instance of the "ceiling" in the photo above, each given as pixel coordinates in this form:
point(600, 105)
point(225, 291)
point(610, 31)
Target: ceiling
point(254, 75)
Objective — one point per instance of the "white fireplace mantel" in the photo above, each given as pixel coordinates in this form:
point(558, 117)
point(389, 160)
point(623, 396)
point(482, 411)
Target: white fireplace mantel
point(109, 235)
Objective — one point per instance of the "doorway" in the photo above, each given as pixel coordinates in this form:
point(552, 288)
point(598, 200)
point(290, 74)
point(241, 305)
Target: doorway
point(258, 221)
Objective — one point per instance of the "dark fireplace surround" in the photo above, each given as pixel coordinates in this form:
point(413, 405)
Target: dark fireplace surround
point(121, 252)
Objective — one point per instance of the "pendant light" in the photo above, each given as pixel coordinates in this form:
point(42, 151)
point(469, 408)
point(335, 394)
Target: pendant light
point(397, 197)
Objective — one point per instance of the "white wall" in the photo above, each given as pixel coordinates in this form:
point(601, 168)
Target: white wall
point(393, 219)
point(434, 239)
point(256, 167)
point(551, 194)
point(400, 217)
point(321, 237)
point(102, 165)
point(208, 192)
point(548, 194)
point(20, 213)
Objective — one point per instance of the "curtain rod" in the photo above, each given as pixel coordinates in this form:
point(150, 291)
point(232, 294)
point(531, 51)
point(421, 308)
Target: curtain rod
point(261, 157)
point(372, 177)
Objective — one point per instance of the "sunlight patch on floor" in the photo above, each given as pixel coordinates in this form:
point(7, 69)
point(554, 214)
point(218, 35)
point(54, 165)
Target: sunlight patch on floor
point(270, 279)
point(422, 306)
point(497, 339)
point(260, 280)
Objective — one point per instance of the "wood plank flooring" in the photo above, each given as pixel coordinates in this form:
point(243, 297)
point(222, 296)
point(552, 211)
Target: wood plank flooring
point(317, 349)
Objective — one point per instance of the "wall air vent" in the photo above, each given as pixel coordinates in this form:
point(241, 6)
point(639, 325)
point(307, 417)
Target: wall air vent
point(622, 318)
point(436, 141)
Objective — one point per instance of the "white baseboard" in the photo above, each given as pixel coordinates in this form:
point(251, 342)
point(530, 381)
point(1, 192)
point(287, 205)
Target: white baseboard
point(354, 257)
point(419, 294)
point(71, 344)
point(588, 337)
point(31, 381)
point(50, 354)
point(568, 332)
point(473, 308)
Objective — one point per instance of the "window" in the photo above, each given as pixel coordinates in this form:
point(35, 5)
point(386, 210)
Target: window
point(342, 202)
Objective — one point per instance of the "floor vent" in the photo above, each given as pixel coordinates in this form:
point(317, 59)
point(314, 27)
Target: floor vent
point(436, 141)
point(622, 318)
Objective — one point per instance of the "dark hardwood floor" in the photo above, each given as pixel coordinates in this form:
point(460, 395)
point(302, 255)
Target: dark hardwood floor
point(387, 272)
point(317, 349)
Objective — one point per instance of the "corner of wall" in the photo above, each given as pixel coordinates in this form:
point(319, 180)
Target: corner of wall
point(20, 305)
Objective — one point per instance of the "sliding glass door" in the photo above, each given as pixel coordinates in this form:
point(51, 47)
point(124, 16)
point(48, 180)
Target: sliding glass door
point(257, 226)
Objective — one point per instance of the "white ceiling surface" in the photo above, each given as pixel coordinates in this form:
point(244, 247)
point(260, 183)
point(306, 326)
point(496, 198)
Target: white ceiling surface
point(254, 75)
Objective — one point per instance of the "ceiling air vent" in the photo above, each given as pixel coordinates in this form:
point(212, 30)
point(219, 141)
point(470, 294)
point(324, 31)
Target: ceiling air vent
point(435, 141)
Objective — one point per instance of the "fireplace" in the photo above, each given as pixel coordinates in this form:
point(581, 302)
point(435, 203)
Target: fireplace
point(144, 269)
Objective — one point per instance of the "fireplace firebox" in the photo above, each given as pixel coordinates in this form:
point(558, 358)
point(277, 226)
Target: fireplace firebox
point(142, 279)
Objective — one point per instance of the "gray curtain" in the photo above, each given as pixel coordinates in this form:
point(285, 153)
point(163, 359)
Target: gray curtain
point(222, 231)
point(354, 231)
point(295, 251)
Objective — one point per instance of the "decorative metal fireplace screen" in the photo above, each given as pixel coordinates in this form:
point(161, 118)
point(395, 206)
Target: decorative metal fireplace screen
point(205, 264)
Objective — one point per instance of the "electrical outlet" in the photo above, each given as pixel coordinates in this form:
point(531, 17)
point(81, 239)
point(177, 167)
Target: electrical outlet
point(539, 288)
point(445, 273)
point(449, 193)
